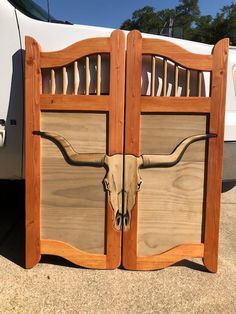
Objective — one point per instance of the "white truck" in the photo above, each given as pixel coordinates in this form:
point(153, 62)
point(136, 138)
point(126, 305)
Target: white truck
point(25, 18)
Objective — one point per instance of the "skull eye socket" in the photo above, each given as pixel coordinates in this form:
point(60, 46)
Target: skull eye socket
point(139, 185)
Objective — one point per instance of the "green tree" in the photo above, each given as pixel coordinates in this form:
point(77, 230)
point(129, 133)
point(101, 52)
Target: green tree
point(146, 20)
point(186, 22)
point(187, 13)
point(150, 20)
point(203, 30)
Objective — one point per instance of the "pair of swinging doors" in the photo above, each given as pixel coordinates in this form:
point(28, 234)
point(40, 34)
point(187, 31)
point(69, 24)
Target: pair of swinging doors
point(124, 143)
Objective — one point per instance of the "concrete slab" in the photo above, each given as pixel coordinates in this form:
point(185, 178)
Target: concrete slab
point(55, 286)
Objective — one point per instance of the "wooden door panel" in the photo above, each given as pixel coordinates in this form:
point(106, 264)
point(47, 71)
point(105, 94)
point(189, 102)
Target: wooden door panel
point(171, 200)
point(73, 198)
point(175, 215)
point(74, 126)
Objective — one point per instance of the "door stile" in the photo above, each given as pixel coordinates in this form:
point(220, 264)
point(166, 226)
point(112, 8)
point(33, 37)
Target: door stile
point(215, 159)
point(132, 135)
point(116, 142)
point(32, 154)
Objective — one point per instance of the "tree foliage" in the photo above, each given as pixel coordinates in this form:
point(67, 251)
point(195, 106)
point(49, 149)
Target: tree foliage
point(185, 21)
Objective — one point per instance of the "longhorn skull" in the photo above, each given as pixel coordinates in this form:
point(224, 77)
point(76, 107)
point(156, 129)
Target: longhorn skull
point(113, 180)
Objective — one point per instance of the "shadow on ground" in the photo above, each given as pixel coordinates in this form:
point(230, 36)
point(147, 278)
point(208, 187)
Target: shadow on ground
point(12, 230)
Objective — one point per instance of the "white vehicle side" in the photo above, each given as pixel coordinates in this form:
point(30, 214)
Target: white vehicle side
point(14, 26)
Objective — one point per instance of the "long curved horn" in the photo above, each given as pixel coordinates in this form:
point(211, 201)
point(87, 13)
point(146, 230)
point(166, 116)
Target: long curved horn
point(154, 161)
point(70, 155)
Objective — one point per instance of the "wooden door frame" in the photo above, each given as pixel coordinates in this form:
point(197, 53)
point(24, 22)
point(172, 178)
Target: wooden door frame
point(213, 106)
point(35, 102)
point(113, 105)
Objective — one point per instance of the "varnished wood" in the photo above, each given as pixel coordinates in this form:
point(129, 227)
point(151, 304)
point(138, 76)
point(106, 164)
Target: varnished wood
point(138, 104)
point(76, 77)
point(109, 251)
point(99, 74)
point(53, 82)
point(214, 171)
point(176, 80)
point(113, 106)
point(64, 80)
point(153, 76)
point(87, 76)
point(165, 73)
point(74, 255)
point(176, 104)
point(132, 134)
point(133, 92)
point(32, 152)
point(75, 102)
point(74, 52)
point(116, 125)
point(177, 54)
point(170, 257)
point(199, 82)
point(187, 92)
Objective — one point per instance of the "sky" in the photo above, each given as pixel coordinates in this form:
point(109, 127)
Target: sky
point(110, 13)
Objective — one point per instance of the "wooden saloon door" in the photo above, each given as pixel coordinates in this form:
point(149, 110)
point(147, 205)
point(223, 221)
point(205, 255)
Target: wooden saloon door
point(167, 207)
point(172, 97)
point(69, 108)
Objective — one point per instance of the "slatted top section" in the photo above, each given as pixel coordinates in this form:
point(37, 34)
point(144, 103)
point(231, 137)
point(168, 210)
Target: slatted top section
point(177, 54)
point(76, 51)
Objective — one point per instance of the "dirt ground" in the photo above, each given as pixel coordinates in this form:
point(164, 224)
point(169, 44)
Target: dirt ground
point(56, 286)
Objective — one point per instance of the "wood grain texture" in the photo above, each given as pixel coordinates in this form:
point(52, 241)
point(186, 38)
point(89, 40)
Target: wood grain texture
point(116, 127)
point(74, 52)
point(177, 54)
point(75, 102)
point(188, 76)
point(219, 75)
point(180, 188)
point(171, 200)
point(170, 207)
point(74, 255)
point(75, 209)
point(176, 104)
point(165, 77)
point(99, 74)
point(170, 257)
point(161, 133)
point(32, 152)
point(73, 198)
point(132, 125)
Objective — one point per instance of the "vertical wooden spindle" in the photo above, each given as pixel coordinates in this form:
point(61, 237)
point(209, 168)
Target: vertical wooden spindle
point(53, 82)
point(176, 79)
point(199, 80)
point(76, 77)
point(99, 74)
point(87, 76)
point(164, 76)
point(153, 76)
point(64, 80)
point(187, 92)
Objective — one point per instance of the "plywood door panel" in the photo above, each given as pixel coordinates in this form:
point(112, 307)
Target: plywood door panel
point(73, 198)
point(171, 200)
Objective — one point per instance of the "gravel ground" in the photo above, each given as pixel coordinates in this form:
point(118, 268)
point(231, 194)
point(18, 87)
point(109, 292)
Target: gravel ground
point(55, 286)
